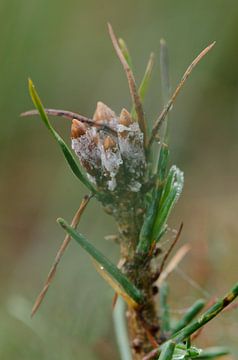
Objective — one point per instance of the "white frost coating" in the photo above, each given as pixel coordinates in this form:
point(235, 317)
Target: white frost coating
point(112, 184)
point(92, 179)
point(113, 123)
point(131, 144)
point(111, 158)
point(132, 150)
point(86, 149)
point(121, 128)
point(134, 186)
point(111, 161)
point(178, 181)
point(180, 354)
point(105, 165)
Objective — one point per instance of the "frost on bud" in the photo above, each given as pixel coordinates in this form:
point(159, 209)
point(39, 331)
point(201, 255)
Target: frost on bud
point(112, 151)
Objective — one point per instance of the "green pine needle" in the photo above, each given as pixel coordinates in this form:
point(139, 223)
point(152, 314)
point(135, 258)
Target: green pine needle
point(144, 85)
point(213, 353)
point(207, 316)
point(125, 52)
point(189, 315)
point(145, 238)
point(145, 82)
point(167, 351)
point(66, 151)
point(107, 265)
point(171, 193)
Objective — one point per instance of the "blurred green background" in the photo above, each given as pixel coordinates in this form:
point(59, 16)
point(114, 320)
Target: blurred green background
point(64, 46)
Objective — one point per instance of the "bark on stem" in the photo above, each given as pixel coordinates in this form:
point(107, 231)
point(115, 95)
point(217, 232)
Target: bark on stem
point(143, 323)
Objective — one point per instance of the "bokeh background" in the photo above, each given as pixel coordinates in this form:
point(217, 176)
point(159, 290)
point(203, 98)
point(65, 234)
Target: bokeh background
point(64, 46)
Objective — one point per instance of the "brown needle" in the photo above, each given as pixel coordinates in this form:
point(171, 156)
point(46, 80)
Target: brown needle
point(59, 255)
point(132, 84)
point(169, 104)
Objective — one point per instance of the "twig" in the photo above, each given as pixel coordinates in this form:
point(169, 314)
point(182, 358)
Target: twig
point(171, 248)
point(173, 263)
point(169, 104)
point(72, 115)
point(132, 84)
point(59, 255)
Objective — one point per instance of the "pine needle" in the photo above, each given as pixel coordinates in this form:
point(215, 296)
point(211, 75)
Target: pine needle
point(173, 263)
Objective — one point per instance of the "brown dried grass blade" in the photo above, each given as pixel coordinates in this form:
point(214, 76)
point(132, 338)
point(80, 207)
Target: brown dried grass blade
point(72, 115)
point(169, 104)
point(59, 255)
point(173, 263)
point(171, 248)
point(132, 84)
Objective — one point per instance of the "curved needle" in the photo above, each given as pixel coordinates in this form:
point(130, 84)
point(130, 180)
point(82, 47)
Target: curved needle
point(169, 104)
point(72, 115)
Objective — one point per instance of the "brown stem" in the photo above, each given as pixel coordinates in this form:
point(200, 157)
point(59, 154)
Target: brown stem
point(71, 116)
point(170, 248)
point(143, 323)
point(132, 84)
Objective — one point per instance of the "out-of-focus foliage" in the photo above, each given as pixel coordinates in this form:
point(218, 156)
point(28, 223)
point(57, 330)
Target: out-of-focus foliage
point(65, 47)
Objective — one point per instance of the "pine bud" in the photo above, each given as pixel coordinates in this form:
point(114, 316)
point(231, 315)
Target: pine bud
point(103, 113)
point(77, 129)
point(115, 163)
point(125, 118)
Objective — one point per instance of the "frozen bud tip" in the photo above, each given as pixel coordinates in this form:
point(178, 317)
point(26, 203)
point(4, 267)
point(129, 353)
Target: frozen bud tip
point(125, 118)
point(103, 113)
point(77, 129)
